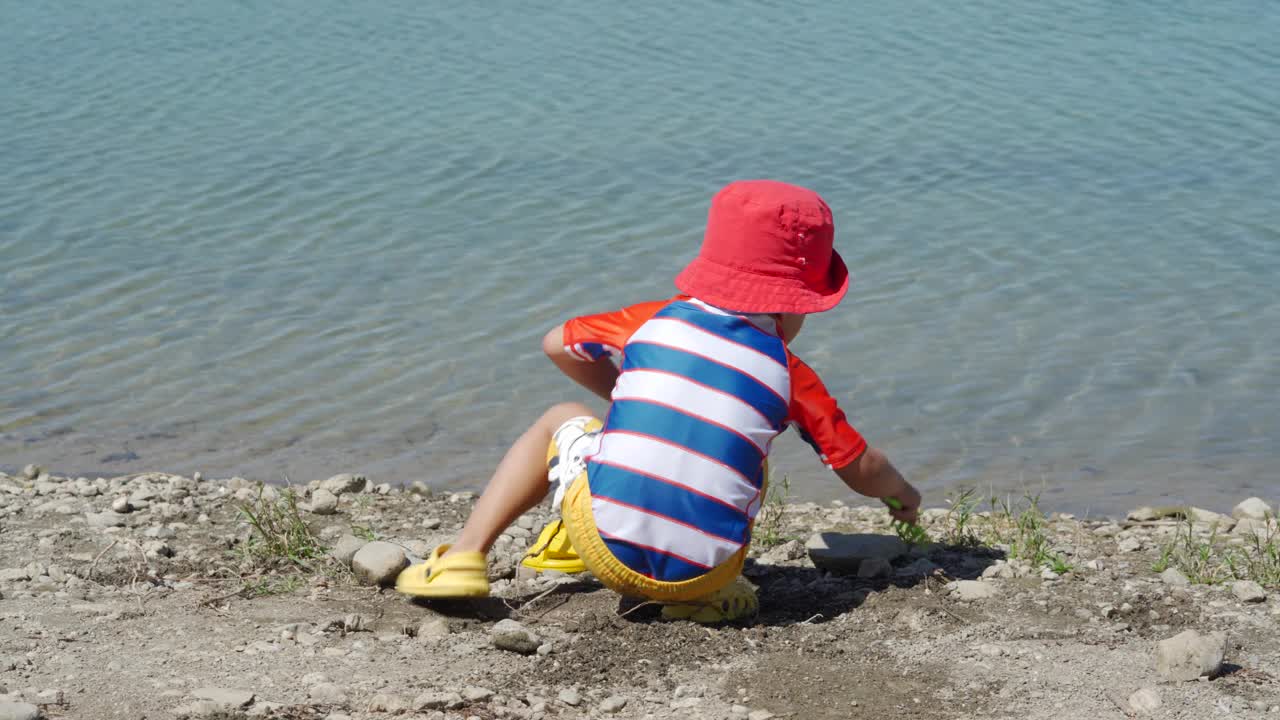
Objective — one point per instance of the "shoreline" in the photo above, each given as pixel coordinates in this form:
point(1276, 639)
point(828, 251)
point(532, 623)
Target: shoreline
point(152, 595)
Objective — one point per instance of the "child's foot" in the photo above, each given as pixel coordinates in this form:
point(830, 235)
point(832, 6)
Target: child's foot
point(553, 551)
point(736, 601)
point(460, 574)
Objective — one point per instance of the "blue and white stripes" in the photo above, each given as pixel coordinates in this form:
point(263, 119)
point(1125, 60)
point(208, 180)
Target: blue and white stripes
point(678, 473)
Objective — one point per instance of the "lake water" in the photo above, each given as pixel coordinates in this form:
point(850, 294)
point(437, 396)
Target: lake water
point(285, 239)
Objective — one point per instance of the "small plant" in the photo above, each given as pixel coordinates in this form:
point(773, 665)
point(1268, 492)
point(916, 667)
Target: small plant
point(1023, 530)
point(768, 527)
point(1207, 560)
point(364, 532)
point(280, 535)
point(958, 529)
point(273, 585)
point(909, 533)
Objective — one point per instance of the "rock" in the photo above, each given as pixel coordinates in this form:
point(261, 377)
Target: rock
point(323, 502)
point(613, 704)
point(971, 590)
point(514, 637)
point(438, 701)
point(1252, 509)
point(433, 629)
point(991, 650)
point(844, 553)
point(328, 694)
point(787, 551)
point(923, 566)
point(570, 697)
point(874, 568)
point(378, 563)
point(14, 575)
point(1174, 577)
point(1262, 529)
point(343, 484)
point(346, 548)
point(759, 715)
point(1200, 515)
point(388, 703)
point(227, 699)
point(1189, 655)
point(121, 505)
point(472, 693)
point(106, 519)
point(18, 710)
point(1129, 545)
point(31, 472)
point(1143, 514)
point(1145, 701)
point(1248, 591)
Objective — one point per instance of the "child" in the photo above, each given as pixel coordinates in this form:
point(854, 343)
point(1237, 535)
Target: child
point(658, 500)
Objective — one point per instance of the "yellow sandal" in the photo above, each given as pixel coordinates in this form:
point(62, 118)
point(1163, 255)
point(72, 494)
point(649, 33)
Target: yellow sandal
point(736, 601)
point(553, 551)
point(462, 574)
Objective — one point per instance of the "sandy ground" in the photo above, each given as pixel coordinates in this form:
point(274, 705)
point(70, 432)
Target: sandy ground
point(157, 613)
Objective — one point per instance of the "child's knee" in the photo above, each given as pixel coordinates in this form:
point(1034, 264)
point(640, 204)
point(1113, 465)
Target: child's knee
point(558, 414)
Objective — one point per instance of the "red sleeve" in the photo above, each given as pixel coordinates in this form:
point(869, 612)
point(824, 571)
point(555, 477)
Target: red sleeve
point(591, 337)
point(819, 419)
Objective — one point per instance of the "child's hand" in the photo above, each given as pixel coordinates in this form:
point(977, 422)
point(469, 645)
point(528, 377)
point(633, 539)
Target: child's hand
point(905, 504)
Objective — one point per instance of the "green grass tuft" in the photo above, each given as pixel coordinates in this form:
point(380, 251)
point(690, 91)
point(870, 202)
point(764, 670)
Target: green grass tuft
point(769, 521)
point(279, 534)
point(1210, 559)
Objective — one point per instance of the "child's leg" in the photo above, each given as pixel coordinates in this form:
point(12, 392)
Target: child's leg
point(519, 483)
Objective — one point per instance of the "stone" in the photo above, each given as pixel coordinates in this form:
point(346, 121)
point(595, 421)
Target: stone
point(323, 502)
point(1129, 545)
point(1248, 591)
point(1143, 514)
point(759, 715)
point(108, 519)
point(433, 629)
point(874, 568)
point(227, 699)
point(121, 505)
point(613, 704)
point(328, 694)
point(570, 697)
point(1252, 509)
point(991, 650)
point(346, 548)
point(388, 703)
point(1224, 523)
point(14, 575)
point(512, 636)
point(32, 471)
point(1145, 701)
point(844, 553)
point(18, 710)
point(344, 484)
point(790, 550)
point(1175, 578)
point(438, 701)
point(971, 590)
point(378, 563)
point(472, 693)
point(1190, 655)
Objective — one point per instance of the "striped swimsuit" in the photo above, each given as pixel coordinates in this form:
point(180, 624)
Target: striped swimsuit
point(678, 473)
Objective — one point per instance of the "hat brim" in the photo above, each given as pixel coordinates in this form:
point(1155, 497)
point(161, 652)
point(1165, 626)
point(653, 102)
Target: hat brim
point(743, 291)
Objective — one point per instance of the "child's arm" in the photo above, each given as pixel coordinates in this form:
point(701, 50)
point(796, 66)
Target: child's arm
point(874, 476)
point(597, 376)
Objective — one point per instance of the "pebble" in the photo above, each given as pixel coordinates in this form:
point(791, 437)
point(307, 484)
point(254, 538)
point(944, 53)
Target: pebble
point(433, 629)
point(121, 505)
point(378, 563)
point(613, 704)
point(346, 548)
point(227, 699)
point(844, 553)
point(1190, 655)
point(570, 697)
point(18, 710)
point(107, 519)
point(1174, 577)
point(323, 502)
point(991, 650)
point(1145, 701)
point(1252, 509)
point(328, 694)
point(438, 701)
point(472, 693)
point(31, 472)
point(1248, 591)
point(874, 568)
point(388, 703)
point(344, 483)
point(759, 715)
point(1129, 545)
point(970, 590)
point(514, 637)
point(430, 523)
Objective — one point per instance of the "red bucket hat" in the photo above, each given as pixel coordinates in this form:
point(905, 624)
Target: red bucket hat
point(767, 249)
